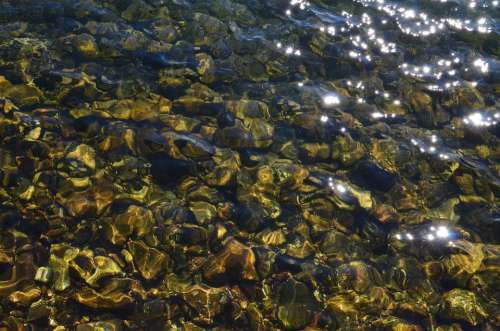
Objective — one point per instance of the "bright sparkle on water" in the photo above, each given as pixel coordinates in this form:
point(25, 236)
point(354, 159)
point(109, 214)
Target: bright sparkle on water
point(478, 119)
point(369, 42)
point(422, 24)
point(289, 50)
point(433, 148)
point(341, 188)
point(377, 115)
point(365, 39)
point(337, 186)
point(481, 65)
point(331, 99)
point(442, 234)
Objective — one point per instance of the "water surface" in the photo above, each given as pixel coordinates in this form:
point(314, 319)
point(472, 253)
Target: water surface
point(255, 165)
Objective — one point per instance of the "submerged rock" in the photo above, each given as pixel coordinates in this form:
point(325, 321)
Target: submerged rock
point(150, 261)
point(208, 302)
point(253, 165)
point(115, 294)
point(235, 262)
point(20, 94)
point(462, 305)
point(296, 305)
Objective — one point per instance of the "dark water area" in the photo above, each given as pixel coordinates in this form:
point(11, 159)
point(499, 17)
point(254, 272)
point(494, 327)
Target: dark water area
point(250, 165)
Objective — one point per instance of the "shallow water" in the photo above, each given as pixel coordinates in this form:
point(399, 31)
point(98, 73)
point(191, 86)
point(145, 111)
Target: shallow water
point(256, 165)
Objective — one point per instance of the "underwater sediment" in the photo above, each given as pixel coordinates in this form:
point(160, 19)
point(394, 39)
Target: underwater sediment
point(251, 165)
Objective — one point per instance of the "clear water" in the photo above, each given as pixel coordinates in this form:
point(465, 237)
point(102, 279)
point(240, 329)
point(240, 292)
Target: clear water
point(260, 165)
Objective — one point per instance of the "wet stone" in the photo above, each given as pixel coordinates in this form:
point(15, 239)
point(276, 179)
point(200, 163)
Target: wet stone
point(421, 104)
point(20, 94)
point(85, 154)
point(234, 262)
point(347, 151)
point(234, 137)
point(357, 276)
point(296, 305)
point(80, 204)
point(86, 45)
point(208, 302)
point(150, 261)
point(204, 212)
point(94, 268)
point(60, 257)
point(25, 297)
point(43, 274)
point(463, 305)
point(135, 220)
point(112, 325)
point(115, 294)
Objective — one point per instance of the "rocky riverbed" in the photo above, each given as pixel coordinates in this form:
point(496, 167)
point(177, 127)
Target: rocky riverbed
point(249, 165)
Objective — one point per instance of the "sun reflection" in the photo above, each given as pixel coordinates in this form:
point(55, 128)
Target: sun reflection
point(378, 115)
point(331, 100)
point(446, 73)
point(337, 186)
point(288, 50)
point(441, 233)
point(368, 42)
point(340, 188)
point(430, 145)
point(421, 24)
point(479, 119)
point(482, 65)
point(300, 3)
